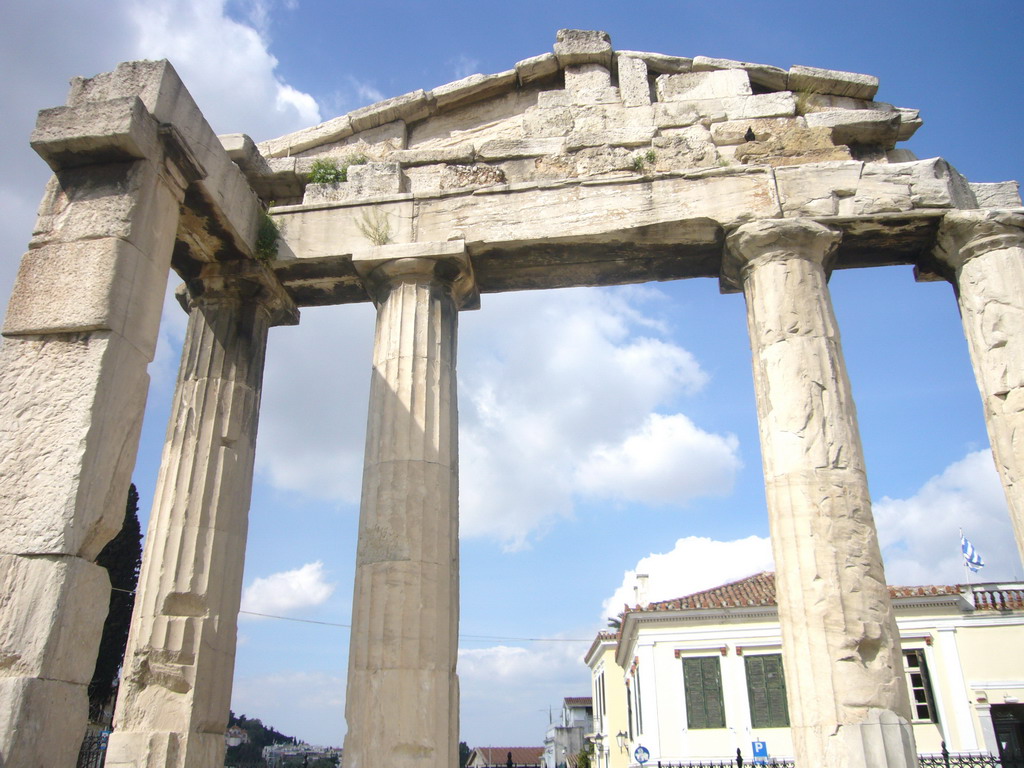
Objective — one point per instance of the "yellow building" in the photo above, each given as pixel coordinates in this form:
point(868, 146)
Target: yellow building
point(701, 676)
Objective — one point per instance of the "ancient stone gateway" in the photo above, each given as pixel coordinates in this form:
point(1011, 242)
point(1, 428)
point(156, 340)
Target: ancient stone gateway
point(585, 166)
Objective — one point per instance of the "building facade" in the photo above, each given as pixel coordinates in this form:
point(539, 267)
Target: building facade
point(702, 676)
point(565, 738)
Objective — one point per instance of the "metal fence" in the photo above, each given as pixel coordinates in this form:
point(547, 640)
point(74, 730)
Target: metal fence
point(93, 752)
point(943, 759)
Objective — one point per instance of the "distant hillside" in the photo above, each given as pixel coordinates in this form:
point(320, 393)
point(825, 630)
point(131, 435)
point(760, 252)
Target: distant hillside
point(260, 736)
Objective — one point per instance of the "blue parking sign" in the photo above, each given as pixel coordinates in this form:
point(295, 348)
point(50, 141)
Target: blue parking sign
point(760, 751)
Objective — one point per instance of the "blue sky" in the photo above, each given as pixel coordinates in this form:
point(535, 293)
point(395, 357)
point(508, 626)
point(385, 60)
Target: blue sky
point(604, 433)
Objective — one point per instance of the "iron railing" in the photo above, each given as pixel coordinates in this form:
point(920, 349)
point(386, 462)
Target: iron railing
point(943, 759)
point(93, 752)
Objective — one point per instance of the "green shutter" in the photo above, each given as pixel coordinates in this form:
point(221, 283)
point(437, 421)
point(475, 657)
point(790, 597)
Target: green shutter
point(702, 683)
point(766, 690)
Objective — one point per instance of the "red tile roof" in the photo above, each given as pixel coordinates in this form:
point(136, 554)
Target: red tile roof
point(579, 701)
point(759, 590)
point(498, 756)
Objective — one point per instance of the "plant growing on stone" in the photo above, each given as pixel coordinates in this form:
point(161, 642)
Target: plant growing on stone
point(376, 227)
point(642, 159)
point(266, 238)
point(327, 171)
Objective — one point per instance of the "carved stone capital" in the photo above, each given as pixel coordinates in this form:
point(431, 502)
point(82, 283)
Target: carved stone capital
point(965, 234)
point(240, 281)
point(446, 263)
point(773, 240)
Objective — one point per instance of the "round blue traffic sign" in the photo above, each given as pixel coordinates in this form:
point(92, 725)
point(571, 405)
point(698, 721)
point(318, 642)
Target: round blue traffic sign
point(642, 755)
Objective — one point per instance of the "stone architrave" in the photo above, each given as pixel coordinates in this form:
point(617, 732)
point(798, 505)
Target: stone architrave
point(848, 703)
point(402, 705)
point(175, 689)
point(80, 330)
point(986, 251)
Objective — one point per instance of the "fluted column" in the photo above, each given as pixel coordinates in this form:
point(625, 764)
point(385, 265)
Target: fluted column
point(985, 249)
point(841, 652)
point(402, 704)
point(172, 706)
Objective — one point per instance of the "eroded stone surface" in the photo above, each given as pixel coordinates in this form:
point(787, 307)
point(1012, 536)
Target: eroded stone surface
point(840, 643)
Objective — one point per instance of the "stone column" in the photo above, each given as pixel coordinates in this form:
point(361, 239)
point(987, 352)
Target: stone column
point(172, 706)
point(80, 329)
point(848, 703)
point(985, 250)
point(402, 705)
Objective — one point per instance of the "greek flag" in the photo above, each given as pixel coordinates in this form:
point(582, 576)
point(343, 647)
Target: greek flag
point(971, 557)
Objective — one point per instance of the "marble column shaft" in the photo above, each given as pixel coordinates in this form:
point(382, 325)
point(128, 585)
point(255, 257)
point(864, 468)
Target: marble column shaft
point(986, 251)
point(841, 651)
point(402, 701)
point(175, 690)
point(80, 330)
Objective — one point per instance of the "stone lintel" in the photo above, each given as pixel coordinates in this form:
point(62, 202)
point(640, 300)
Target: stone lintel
point(773, 240)
point(381, 266)
point(246, 280)
point(966, 234)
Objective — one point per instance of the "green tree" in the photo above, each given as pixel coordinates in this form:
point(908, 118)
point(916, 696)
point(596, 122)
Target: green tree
point(122, 558)
point(464, 753)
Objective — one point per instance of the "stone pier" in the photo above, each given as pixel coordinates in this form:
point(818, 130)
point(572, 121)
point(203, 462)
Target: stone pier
point(985, 250)
point(402, 707)
point(80, 330)
point(176, 684)
point(848, 704)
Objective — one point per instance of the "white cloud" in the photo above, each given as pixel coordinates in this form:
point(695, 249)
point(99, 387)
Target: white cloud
point(920, 535)
point(199, 37)
point(694, 564)
point(647, 466)
point(288, 591)
point(518, 686)
point(548, 381)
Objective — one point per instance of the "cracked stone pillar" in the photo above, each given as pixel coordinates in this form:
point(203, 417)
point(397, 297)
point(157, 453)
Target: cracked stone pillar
point(986, 251)
point(172, 706)
point(402, 704)
point(848, 703)
point(80, 329)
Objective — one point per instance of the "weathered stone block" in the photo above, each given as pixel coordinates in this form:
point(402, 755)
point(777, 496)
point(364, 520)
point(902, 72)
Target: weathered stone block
point(472, 88)
point(837, 83)
point(859, 126)
point(676, 115)
point(73, 409)
point(52, 615)
point(547, 122)
point(364, 181)
point(719, 84)
point(780, 142)
point(96, 132)
point(408, 107)
point(324, 133)
point(41, 721)
point(1001, 194)
point(772, 78)
point(590, 84)
point(659, 62)
point(505, 149)
point(633, 84)
point(536, 68)
point(88, 285)
point(459, 153)
point(461, 176)
point(758, 106)
point(583, 46)
point(815, 189)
